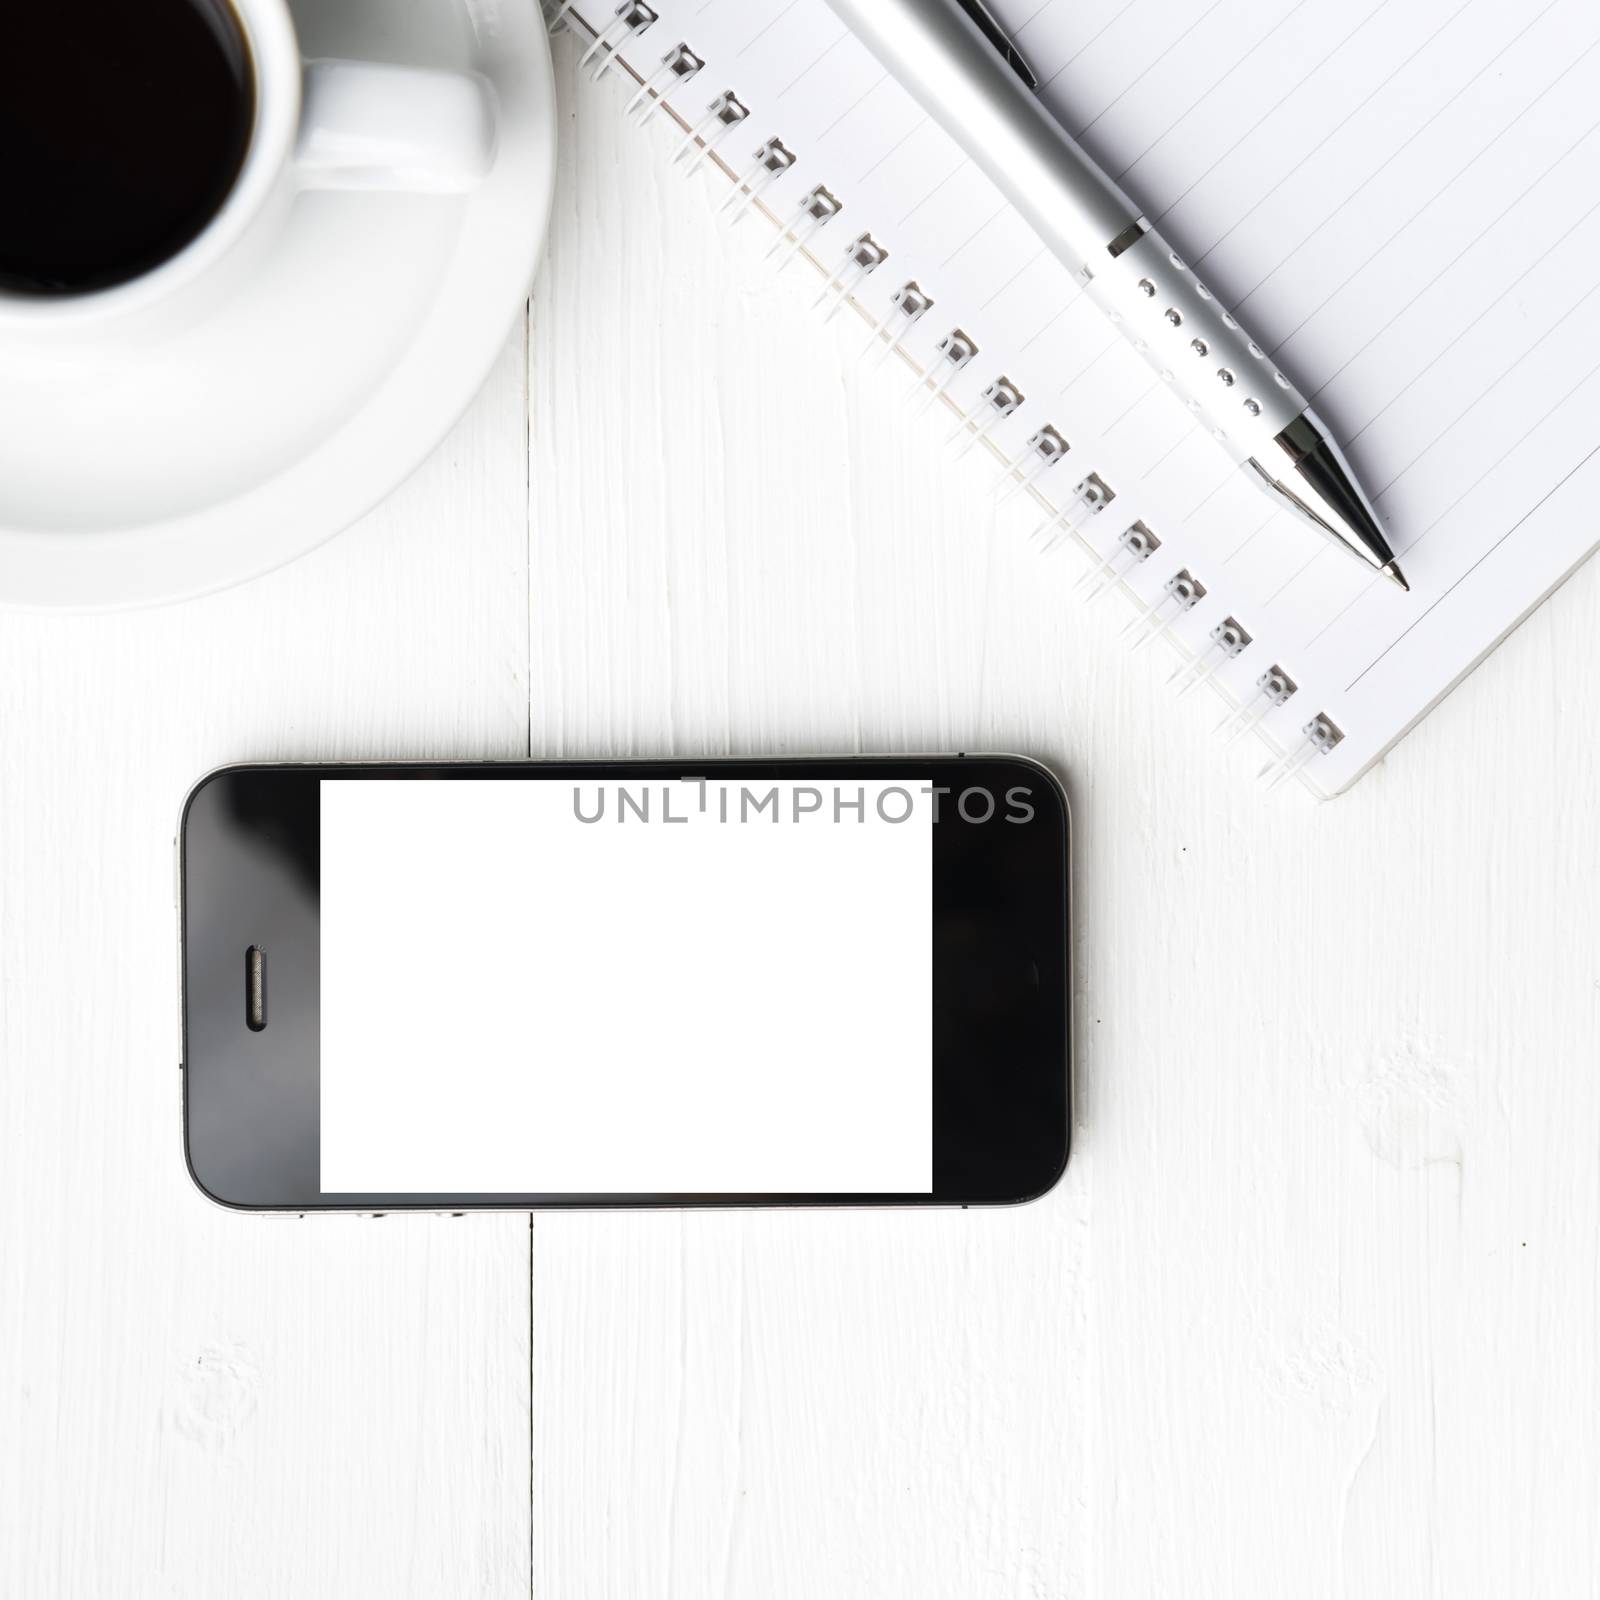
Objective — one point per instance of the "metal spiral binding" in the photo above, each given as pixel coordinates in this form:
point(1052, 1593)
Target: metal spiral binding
point(1037, 456)
point(772, 160)
point(1135, 544)
point(1228, 639)
point(865, 255)
point(1090, 496)
point(630, 18)
point(726, 112)
point(910, 304)
point(1181, 592)
point(955, 350)
point(678, 66)
point(1067, 516)
point(817, 210)
point(1002, 397)
point(1273, 688)
point(1317, 738)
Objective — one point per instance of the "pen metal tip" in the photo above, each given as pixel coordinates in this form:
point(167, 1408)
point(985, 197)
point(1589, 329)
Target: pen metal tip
point(1391, 569)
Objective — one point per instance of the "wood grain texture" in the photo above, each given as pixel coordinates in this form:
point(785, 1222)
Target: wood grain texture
point(194, 1402)
point(1313, 1312)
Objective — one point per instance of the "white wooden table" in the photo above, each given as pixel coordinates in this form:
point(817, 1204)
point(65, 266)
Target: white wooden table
point(1314, 1311)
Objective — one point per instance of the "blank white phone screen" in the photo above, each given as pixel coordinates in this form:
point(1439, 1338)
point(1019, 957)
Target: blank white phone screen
point(553, 986)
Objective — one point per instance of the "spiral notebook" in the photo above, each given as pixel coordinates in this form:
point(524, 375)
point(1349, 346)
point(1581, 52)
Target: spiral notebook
point(1402, 195)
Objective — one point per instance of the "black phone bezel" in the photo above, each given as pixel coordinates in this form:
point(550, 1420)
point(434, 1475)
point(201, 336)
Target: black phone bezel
point(248, 865)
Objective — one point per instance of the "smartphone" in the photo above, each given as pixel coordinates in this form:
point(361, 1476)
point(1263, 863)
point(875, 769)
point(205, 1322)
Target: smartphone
point(517, 985)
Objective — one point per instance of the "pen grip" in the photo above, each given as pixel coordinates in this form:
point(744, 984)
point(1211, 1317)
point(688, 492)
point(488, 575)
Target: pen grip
point(1196, 346)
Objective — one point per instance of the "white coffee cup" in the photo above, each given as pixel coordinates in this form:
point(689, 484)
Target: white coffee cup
point(318, 125)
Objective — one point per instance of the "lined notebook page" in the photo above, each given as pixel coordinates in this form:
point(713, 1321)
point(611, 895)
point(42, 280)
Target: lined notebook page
point(1402, 198)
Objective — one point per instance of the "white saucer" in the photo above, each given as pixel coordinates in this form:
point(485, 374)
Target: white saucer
point(132, 475)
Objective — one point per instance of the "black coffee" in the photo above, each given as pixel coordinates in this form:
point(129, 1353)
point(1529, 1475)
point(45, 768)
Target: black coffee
point(123, 124)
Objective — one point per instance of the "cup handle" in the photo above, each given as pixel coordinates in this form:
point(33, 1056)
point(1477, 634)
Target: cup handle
point(365, 125)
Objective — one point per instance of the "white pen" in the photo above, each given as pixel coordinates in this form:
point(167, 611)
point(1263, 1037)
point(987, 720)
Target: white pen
point(953, 58)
